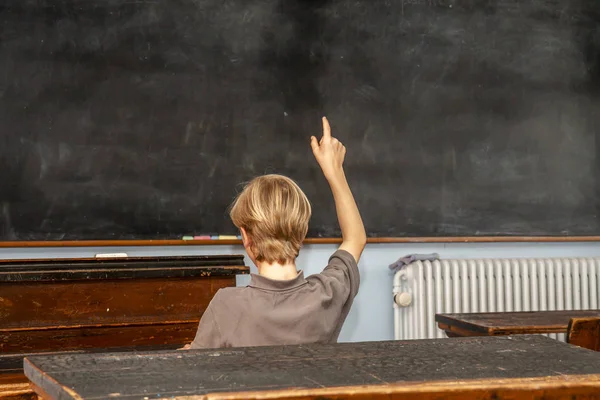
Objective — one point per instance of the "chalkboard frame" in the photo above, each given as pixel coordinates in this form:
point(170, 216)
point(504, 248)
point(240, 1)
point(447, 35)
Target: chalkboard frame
point(148, 243)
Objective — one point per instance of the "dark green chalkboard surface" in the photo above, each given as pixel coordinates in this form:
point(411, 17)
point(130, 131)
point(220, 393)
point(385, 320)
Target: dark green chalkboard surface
point(139, 119)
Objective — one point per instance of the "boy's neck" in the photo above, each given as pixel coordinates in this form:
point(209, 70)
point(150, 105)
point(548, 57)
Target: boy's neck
point(276, 271)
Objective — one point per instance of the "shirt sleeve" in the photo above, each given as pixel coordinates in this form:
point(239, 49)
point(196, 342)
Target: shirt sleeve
point(208, 335)
point(342, 268)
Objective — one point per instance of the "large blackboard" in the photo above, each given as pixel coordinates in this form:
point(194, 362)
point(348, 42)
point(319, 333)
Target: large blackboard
point(139, 119)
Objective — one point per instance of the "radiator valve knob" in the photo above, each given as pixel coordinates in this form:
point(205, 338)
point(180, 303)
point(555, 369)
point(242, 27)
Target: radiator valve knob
point(403, 299)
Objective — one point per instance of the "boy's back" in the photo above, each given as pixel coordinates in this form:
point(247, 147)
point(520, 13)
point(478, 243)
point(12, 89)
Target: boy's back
point(281, 306)
point(276, 312)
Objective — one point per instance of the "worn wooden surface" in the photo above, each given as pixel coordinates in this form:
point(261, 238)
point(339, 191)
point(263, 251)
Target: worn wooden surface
point(11, 365)
point(483, 362)
point(13, 381)
point(106, 302)
point(11, 370)
point(109, 313)
point(101, 336)
point(17, 391)
point(69, 269)
point(50, 305)
point(94, 304)
point(549, 388)
point(509, 323)
point(584, 332)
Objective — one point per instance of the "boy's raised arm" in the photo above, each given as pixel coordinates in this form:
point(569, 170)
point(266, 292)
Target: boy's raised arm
point(330, 153)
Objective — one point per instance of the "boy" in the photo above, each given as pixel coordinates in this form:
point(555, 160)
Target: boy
point(280, 306)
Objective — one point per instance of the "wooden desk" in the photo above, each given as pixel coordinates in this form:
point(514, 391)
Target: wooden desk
point(91, 304)
point(509, 323)
point(70, 304)
point(15, 386)
point(463, 368)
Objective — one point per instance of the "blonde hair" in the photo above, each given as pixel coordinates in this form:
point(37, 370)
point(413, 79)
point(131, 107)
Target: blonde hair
point(275, 212)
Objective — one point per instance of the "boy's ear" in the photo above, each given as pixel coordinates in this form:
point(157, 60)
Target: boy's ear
point(245, 238)
point(247, 241)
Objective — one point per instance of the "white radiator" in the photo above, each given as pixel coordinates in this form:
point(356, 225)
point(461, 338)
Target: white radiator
point(490, 285)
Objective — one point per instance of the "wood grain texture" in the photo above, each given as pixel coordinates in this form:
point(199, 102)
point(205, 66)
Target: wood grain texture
point(454, 331)
point(236, 260)
point(549, 388)
point(103, 305)
point(483, 361)
point(584, 332)
point(62, 304)
point(463, 239)
point(509, 323)
point(17, 391)
point(11, 365)
point(175, 333)
point(111, 313)
point(13, 383)
point(25, 306)
point(12, 376)
point(53, 270)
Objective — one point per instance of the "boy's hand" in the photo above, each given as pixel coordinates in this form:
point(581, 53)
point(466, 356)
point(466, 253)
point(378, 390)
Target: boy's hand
point(329, 153)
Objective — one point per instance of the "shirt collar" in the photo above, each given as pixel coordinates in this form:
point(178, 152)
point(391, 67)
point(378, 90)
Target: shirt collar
point(261, 282)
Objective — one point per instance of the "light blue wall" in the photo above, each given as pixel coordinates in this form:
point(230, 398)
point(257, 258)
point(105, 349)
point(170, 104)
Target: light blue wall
point(371, 317)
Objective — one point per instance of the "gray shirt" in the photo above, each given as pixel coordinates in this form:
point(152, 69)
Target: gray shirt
point(272, 312)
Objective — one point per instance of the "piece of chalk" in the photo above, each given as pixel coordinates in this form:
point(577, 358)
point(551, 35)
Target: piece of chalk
point(205, 237)
point(227, 237)
point(111, 255)
point(187, 238)
point(216, 237)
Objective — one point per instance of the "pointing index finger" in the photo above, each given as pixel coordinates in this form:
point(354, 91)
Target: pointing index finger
point(326, 128)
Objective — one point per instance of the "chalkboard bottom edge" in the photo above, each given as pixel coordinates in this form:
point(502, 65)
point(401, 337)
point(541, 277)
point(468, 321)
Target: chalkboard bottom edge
point(308, 241)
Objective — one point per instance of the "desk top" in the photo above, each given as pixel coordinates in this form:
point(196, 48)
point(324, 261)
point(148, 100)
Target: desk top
point(513, 323)
point(64, 269)
point(309, 370)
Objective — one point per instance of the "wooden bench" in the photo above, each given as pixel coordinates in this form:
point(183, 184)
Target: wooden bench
point(509, 323)
point(520, 367)
point(98, 304)
point(584, 332)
